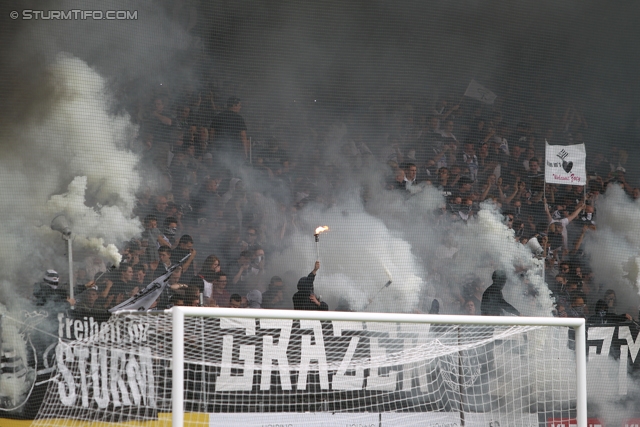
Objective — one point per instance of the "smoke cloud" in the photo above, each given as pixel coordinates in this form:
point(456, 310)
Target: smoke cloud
point(312, 75)
point(355, 256)
point(78, 146)
point(65, 136)
point(615, 247)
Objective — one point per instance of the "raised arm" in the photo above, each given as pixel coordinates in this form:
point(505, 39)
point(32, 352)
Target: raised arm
point(490, 183)
point(448, 113)
point(238, 275)
point(316, 267)
point(189, 260)
point(515, 191)
point(546, 210)
point(575, 213)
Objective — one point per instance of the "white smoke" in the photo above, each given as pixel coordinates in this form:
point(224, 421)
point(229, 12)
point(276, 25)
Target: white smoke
point(89, 223)
point(604, 385)
point(615, 246)
point(488, 242)
point(72, 160)
point(424, 257)
point(357, 257)
point(456, 252)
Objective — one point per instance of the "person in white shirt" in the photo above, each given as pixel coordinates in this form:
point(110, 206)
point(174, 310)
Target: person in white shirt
point(564, 222)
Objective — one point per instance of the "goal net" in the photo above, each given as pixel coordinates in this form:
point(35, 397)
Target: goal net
point(227, 367)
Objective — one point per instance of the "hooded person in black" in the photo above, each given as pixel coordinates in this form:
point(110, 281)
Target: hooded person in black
point(603, 316)
point(305, 299)
point(492, 300)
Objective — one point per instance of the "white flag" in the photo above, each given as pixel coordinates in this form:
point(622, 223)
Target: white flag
point(476, 91)
point(565, 164)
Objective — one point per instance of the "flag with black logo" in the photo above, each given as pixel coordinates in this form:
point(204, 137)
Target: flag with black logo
point(565, 164)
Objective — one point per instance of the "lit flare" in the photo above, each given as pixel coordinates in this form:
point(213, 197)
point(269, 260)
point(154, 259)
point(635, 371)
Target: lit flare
point(321, 229)
point(386, 270)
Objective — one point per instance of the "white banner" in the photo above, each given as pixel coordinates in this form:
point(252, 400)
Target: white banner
point(385, 419)
point(565, 164)
point(500, 420)
point(420, 419)
point(292, 419)
point(476, 91)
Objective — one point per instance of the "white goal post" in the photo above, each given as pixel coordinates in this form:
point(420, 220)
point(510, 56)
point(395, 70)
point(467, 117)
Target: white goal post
point(409, 355)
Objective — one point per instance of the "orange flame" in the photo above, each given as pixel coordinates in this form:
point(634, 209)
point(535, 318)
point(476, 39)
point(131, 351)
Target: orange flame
point(322, 229)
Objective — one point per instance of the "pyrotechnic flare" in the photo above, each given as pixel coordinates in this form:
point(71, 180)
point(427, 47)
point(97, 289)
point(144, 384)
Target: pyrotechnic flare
point(319, 230)
point(386, 270)
point(109, 269)
point(386, 285)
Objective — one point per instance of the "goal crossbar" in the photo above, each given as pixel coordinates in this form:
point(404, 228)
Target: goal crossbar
point(179, 314)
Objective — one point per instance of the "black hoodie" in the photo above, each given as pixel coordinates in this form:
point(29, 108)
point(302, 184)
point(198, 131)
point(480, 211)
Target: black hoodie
point(603, 317)
point(301, 299)
point(492, 300)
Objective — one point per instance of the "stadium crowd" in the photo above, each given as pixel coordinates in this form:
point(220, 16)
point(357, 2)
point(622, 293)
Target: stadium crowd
point(195, 151)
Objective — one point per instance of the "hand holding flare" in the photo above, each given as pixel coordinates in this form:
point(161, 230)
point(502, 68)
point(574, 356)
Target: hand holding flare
point(319, 230)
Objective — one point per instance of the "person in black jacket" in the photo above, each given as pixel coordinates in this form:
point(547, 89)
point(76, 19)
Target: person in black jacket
point(50, 290)
point(230, 130)
point(305, 299)
point(493, 303)
point(603, 316)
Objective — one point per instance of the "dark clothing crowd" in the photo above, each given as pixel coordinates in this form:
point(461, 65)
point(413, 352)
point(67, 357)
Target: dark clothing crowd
point(227, 194)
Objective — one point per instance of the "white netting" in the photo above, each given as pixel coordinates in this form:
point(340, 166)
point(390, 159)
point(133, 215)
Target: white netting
point(267, 370)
